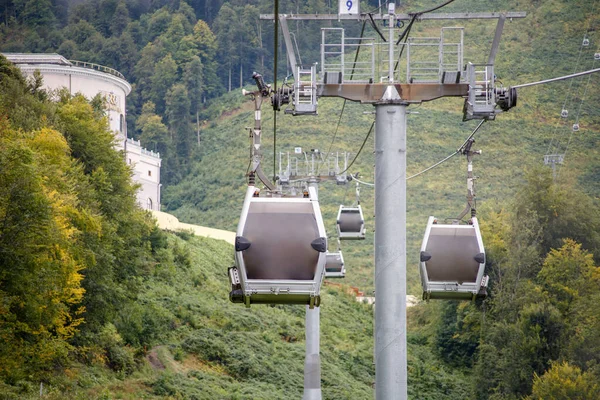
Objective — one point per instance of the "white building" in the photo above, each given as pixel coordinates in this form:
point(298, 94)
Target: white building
point(89, 80)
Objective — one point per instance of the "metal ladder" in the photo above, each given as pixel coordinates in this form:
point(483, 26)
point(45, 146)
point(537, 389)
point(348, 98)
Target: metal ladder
point(305, 91)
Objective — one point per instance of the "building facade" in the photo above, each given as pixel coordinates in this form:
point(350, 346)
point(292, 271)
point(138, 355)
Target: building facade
point(90, 80)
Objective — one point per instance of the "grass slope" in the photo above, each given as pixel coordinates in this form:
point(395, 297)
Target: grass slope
point(218, 350)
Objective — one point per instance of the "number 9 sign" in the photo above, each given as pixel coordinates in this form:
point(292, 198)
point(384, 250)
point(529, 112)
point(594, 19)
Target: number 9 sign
point(349, 7)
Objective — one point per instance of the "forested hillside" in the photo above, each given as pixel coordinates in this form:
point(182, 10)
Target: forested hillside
point(122, 310)
point(97, 303)
point(75, 248)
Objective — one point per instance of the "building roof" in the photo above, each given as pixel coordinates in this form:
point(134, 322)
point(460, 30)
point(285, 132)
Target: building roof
point(40, 58)
point(57, 59)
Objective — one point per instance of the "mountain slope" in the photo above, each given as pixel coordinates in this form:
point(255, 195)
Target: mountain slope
point(545, 44)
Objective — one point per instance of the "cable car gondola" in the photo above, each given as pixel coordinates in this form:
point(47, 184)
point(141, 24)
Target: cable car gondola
point(452, 261)
point(350, 223)
point(280, 251)
point(334, 266)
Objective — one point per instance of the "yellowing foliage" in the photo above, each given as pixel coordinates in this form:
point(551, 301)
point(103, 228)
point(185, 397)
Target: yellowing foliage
point(565, 382)
point(41, 258)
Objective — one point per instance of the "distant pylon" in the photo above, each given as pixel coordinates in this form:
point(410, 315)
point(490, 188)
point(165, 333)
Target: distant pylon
point(553, 160)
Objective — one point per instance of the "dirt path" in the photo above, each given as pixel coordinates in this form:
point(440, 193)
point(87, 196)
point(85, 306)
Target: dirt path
point(171, 223)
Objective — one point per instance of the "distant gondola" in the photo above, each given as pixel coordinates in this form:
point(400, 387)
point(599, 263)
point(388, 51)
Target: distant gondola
point(334, 267)
point(350, 223)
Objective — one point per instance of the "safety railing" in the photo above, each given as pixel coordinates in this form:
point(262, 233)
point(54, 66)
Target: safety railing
point(97, 67)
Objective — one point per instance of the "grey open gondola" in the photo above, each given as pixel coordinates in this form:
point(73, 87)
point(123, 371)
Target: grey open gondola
point(279, 251)
point(334, 266)
point(350, 223)
point(452, 261)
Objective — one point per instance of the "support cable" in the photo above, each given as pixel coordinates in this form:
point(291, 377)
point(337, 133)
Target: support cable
point(362, 32)
point(577, 117)
point(585, 37)
point(275, 49)
point(570, 86)
point(344, 105)
point(384, 4)
point(418, 14)
point(334, 136)
point(433, 166)
point(374, 25)
point(406, 32)
point(584, 94)
point(404, 35)
point(361, 147)
point(435, 8)
point(354, 178)
point(451, 155)
point(560, 78)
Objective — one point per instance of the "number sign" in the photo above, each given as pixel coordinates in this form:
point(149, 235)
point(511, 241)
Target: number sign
point(349, 7)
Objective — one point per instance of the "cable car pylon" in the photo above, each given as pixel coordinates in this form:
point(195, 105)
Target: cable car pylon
point(483, 100)
point(391, 99)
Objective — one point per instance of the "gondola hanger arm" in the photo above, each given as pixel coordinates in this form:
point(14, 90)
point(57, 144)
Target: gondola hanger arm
point(466, 150)
point(263, 91)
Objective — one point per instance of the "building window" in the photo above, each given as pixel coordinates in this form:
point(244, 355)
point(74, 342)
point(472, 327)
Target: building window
point(149, 173)
point(121, 123)
point(149, 204)
point(130, 161)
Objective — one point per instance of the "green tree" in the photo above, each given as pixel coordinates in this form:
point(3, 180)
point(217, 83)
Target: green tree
point(35, 13)
point(120, 53)
point(158, 23)
point(163, 78)
point(252, 46)
point(120, 19)
point(155, 135)
point(565, 382)
point(180, 128)
point(571, 280)
point(91, 48)
point(178, 28)
point(144, 70)
point(68, 49)
point(457, 336)
point(543, 327)
point(559, 210)
point(194, 81)
point(228, 35)
point(567, 274)
point(120, 253)
point(80, 31)
point(206, 43)
point(104, 16)
point(40, 283)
